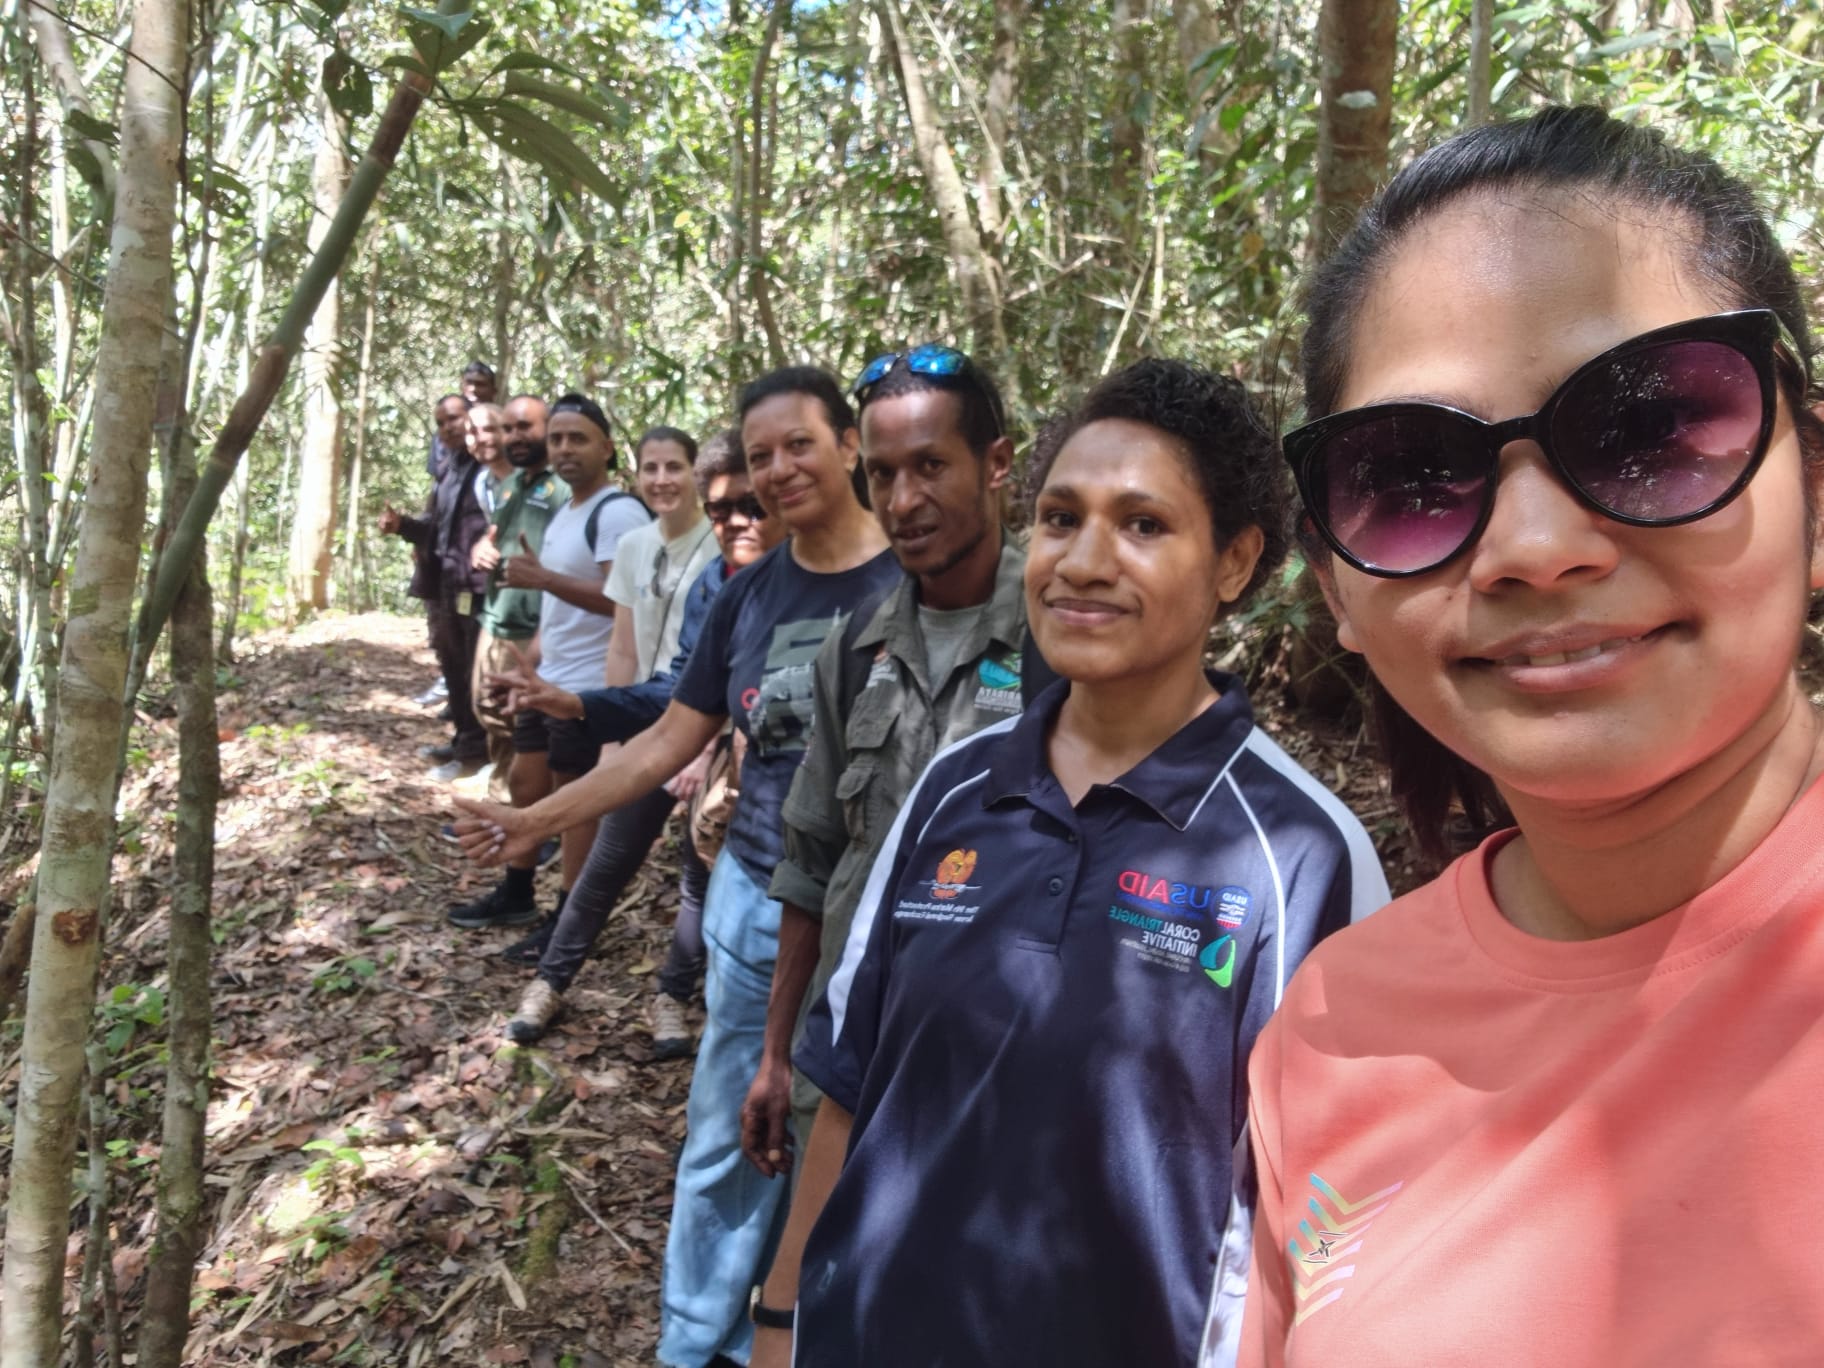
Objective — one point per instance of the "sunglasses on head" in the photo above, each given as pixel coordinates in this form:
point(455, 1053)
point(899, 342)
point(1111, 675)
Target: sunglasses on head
point(932, 358)
point(721, 510)
point(1663, 429)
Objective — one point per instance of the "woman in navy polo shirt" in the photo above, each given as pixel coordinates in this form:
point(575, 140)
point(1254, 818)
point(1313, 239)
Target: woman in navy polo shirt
point(1034, 1051)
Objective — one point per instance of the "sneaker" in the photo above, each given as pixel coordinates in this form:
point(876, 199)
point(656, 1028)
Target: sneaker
point(671, 1038)
point(453, 769)
point(549, 851)
point(441, 754)
point(530, 948)
point(496, 907)
point(435, 694)
point(539, 1008)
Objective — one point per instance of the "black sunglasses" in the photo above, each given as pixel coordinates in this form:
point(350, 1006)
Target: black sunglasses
point(721, 510)
point(1663, 429)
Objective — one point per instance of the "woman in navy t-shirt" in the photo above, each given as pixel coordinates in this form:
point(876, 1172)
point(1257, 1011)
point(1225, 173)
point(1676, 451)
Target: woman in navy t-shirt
point(1033, 1053)
point(752, 663)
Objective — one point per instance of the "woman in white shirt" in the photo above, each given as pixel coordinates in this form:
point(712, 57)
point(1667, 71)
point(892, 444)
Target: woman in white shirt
point(653, 567)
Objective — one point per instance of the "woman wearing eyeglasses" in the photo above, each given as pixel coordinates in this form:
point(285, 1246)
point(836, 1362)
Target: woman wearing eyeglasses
point(1032, 1050)
point(1559, 1105)
point(753, 664)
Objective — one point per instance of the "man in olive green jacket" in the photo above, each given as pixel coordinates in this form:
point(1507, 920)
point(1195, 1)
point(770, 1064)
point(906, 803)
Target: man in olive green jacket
point(938, 659)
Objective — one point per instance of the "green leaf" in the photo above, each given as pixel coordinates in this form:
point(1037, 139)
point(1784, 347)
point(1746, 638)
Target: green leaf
point(529, 61)
point(561, 97)
point(542, 142)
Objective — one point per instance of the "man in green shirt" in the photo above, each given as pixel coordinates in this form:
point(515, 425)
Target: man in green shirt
point(937, 659)
point(525, 505)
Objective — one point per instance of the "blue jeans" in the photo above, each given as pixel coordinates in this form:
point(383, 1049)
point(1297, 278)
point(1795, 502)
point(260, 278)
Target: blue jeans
point(725, 1216)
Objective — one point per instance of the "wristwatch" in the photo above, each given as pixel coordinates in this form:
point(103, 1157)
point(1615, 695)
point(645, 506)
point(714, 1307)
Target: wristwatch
point(765, 1316)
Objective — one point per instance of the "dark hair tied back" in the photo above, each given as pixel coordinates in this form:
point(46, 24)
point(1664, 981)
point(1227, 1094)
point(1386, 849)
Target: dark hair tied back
point(1581, 150)
point(818, 384)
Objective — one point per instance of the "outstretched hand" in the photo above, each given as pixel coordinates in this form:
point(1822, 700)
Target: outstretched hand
point(492, 834)
point(523, 689)
point(389, 521)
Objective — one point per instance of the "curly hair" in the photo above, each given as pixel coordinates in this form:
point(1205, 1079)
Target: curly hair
point(1231, 451)
point(721, 455)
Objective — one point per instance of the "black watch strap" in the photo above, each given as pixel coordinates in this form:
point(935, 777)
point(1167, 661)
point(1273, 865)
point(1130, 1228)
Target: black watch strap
point(766, 1317)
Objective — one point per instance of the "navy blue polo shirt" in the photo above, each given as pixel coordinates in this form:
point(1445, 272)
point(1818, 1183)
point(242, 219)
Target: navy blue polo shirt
point(1041, 1023)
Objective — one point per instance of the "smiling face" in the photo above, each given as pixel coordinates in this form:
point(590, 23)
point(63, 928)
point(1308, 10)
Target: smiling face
point(664, 476)
point(1572, 658)
point(743, 538)
point(526, 432)
point(452, 419)
point(580, 451)
point(487, 434)
point(1123, 576)
point(799, 464)
point(933, 496)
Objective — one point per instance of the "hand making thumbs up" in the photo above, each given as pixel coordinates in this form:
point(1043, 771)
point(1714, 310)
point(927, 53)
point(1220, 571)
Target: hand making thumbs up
point(523, 569)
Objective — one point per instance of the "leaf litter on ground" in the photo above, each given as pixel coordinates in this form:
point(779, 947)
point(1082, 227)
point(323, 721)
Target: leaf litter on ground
point(391, 1180)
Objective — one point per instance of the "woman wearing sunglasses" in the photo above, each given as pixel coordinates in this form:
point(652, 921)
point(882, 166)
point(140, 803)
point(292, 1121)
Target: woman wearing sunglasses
point(753, 664)
point(1032, 1051)
point(1558, 1106)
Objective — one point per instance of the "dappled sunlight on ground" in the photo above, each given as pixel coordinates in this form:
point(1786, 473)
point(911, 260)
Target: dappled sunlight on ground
point(392, 1182)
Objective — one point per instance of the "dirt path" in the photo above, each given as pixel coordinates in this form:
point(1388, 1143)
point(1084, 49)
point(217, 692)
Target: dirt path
point(395, 1182)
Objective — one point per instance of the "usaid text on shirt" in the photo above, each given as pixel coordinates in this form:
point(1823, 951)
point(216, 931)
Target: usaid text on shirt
point(1164, 915)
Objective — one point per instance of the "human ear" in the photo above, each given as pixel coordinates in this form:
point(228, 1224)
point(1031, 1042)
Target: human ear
point(1236, 561)
point(1325, 574)
point(850, 444)
point(999, 457)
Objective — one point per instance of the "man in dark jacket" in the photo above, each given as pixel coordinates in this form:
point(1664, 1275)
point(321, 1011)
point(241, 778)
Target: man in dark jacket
point(450, 421)
point(457, 519)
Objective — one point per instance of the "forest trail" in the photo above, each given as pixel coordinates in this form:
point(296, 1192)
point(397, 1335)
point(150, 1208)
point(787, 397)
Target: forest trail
point(394, 1181)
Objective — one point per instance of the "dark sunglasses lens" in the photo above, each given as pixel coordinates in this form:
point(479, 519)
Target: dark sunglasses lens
point(1402, 492)
point(721, 510)
point(1662, 433)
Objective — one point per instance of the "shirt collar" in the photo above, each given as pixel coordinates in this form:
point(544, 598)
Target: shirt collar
point(1173, 781)
point(895, 622)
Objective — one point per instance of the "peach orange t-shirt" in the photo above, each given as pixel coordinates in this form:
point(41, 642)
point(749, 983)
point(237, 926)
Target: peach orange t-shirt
point(1478, 1147)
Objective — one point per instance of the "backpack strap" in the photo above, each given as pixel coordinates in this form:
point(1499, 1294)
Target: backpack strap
point(595, 514)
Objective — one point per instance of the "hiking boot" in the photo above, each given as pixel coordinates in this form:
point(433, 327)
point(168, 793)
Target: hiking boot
point(671, 1037)
point(531, 948)
point(441, 754)
point(496, 907)
point(539, 1008)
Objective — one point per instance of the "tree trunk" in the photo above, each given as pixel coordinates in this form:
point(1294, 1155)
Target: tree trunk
point(1128, 135)
point(351, 537)
point(320, 461)
point(165, 1319)
point(1356, 42)
point(79, 802)
point(999, 102)
point(1481, 59)
point(977, 277)
point(759, 165)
